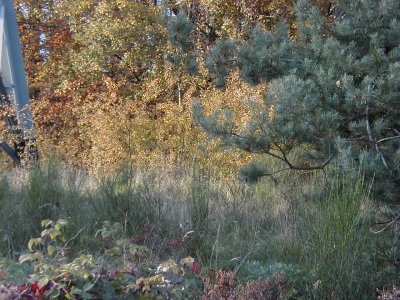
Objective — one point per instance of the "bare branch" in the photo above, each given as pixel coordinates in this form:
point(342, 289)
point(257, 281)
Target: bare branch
point(387, 225)
point(371, 138)
point(276, 172)
point(367, 140)
point(388, 139)
point(311, 168)
point(301, 168)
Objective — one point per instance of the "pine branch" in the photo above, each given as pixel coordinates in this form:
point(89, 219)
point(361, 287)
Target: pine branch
point(301, 168)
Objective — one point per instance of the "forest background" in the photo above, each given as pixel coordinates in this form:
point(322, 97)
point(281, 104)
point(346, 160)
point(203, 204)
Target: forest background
point(111, 93)
point(105, 91)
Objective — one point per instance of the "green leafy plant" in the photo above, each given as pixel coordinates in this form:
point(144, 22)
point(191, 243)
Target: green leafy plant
point(53, 276)
point(117, 244)
point(48, 244)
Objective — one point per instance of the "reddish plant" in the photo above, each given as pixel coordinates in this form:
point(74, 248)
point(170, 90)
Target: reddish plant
point(176, 243)
point(196, 267)
point(221, 287)
point(271, 288)
point(38, 290)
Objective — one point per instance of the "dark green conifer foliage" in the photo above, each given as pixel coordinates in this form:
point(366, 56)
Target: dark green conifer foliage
point(179, 30)
point(333, 90)
point(179, 34)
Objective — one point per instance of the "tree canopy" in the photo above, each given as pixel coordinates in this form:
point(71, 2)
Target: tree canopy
point(332, 91)
point(107, 86)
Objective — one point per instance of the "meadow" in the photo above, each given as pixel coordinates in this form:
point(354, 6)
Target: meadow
point(189, 233)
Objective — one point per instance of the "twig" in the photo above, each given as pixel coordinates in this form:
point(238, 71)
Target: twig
point(368, 140)
point(388, 139)
point(66, 244)
point(243, 260)
point(387, 225)
point(276, 172)
point(371, 138)
point(301, 168)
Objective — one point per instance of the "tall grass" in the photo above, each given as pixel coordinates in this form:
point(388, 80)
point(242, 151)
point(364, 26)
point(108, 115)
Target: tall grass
point(339, 247)
point(316, 233)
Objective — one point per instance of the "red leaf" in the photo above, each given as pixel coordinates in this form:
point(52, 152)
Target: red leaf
point(35, 287)
point(42, 290)
point(46, 287)
point(196, 267)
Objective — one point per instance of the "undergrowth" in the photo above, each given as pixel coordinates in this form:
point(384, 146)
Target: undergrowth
point(315, 230)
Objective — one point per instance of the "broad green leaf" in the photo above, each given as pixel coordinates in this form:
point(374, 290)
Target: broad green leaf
point(60, 224)
point(88, 286)
point(45, 223)
point(38, 256)
point(105, 234)
point(31, 243)
point(76, 291)
point(86, 295)
point(54, 233)
point(25, 257)
point(69, 296)
point(53, 294)
point(51, 250)
point(43, 281)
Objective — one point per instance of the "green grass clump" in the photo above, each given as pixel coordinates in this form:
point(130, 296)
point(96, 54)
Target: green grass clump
point(339, 248)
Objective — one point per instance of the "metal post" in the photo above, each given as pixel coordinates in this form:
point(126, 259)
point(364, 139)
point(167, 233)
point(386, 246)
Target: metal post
point(13, 76)
point(12, 65)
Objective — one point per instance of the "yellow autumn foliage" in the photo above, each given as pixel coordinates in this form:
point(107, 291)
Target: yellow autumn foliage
point(105, 94)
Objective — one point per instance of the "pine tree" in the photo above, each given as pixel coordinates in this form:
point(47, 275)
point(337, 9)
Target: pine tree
point(333, 91)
